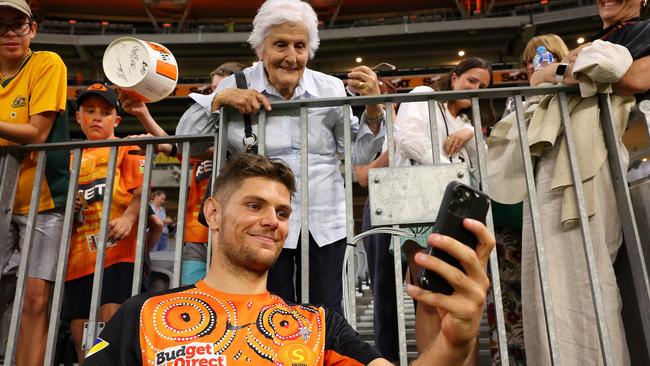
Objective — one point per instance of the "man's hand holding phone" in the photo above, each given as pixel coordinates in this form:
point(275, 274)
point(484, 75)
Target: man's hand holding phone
point(461, 311)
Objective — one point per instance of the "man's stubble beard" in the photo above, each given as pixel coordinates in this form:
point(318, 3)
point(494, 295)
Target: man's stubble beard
point(242, 260)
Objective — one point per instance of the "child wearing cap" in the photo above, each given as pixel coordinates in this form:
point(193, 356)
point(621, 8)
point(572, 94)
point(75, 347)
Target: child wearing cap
point(97, 115)
point(33, 97)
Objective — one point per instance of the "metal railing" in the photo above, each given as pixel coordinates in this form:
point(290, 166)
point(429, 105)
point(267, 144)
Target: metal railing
point(9, 168)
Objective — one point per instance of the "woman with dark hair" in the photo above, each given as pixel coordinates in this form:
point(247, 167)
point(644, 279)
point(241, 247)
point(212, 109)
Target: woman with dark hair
point(414, 147)
point(412, 134)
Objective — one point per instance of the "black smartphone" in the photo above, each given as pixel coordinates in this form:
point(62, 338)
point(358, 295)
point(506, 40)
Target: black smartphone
point(459, 202)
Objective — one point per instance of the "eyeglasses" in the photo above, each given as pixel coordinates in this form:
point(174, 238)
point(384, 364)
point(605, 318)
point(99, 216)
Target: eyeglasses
point(384, 66)
point(19, 29)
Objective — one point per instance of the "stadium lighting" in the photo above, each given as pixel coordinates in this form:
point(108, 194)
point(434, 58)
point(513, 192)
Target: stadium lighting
point(167, 25)
point(461, 53)
point(581, 40)
point(72, 21)
point(105, 24)
point(358, 60)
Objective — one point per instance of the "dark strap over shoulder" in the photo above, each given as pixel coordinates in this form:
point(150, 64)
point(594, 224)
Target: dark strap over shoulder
point(250, 140)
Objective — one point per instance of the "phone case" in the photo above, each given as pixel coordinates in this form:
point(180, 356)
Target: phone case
point(459, 201)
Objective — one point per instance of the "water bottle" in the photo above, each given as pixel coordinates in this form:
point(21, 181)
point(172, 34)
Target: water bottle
point(542, 58)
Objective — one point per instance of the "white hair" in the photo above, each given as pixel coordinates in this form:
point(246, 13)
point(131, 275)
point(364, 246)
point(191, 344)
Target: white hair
point(276, 12)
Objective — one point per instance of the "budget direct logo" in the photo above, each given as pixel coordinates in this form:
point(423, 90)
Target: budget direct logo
point(194, 354)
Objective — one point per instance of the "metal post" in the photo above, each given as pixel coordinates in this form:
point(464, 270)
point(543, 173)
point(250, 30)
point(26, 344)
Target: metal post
point(25, 250)
point(585, 230)
point(215, 155)
point(630, 231)
point(93, 324)
point(66, 235)
point(397, 250)
point(140, 246)
point(494, 261)
point(540, 252)
point(261, 132)
point(304, 206)
point(351, 301)
point(433, 127)
point(182, 204)
point(10, 169)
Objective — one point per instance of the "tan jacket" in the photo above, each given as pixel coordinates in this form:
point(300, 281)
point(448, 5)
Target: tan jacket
point(506, 176)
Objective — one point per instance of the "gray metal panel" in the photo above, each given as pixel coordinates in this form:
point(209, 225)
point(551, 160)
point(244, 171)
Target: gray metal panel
point(540, 252)
point(215, 157)
point(397, 249)
point(66, 234)
point(261, 132)
point(10, 168)
point(633, 242)
point(93, 324)
point(182, 205)
point(21, 283)
point(410, 195)
point(350, 297)
point(433, 128)
point(143, 216)
point(585, 231)
point(494, 262)
point(304, 206)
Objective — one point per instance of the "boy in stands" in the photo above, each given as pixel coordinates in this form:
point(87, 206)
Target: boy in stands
point(97, 115)
point(229, 317)
point(33, 91)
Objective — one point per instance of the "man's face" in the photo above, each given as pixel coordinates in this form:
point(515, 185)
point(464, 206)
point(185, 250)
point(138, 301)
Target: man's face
point(97, 118)
point(14, 44)
point(252, 224)
point(285, 55)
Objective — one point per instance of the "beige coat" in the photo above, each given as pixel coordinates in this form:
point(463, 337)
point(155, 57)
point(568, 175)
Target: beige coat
point(506, 174)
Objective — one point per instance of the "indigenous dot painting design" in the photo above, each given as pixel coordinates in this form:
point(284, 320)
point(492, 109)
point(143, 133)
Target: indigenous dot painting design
point(250, 331)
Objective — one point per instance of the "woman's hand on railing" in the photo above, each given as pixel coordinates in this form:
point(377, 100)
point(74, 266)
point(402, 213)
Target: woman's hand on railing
point(246, 101)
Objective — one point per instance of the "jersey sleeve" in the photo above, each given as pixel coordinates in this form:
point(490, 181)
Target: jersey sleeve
point(49, 87)
point(132, 169)
point(343, 345)
point(119, 342)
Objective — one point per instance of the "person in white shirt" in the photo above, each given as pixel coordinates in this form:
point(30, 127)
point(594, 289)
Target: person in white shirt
point(285, 37)
point(414, 146)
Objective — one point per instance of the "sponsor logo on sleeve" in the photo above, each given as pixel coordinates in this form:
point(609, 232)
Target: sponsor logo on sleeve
point(99, 345)
point(195, 354)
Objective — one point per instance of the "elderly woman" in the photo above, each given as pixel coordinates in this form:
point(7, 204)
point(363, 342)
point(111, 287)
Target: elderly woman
point(568, 277)
point(285, 38)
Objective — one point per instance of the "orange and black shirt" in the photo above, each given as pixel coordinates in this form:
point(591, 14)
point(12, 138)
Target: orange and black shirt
point(197, 325)
point(195, 232)
point(92, 183)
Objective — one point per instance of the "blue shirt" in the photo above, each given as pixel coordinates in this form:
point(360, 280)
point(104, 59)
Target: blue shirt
point(325, 139)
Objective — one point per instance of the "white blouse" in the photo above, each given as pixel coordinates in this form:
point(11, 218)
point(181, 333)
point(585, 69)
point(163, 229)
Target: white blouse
point(413, 134)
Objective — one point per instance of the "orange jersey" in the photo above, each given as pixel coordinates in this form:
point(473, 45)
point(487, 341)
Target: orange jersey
point(198, 325)
point(194, 231)
point(39, 86)
point(92, 181)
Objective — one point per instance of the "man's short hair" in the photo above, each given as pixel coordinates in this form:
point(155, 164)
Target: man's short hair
point(244, 165)
point(227, 69)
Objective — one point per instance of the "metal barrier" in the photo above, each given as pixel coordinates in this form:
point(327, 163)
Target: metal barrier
point(9, 162)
